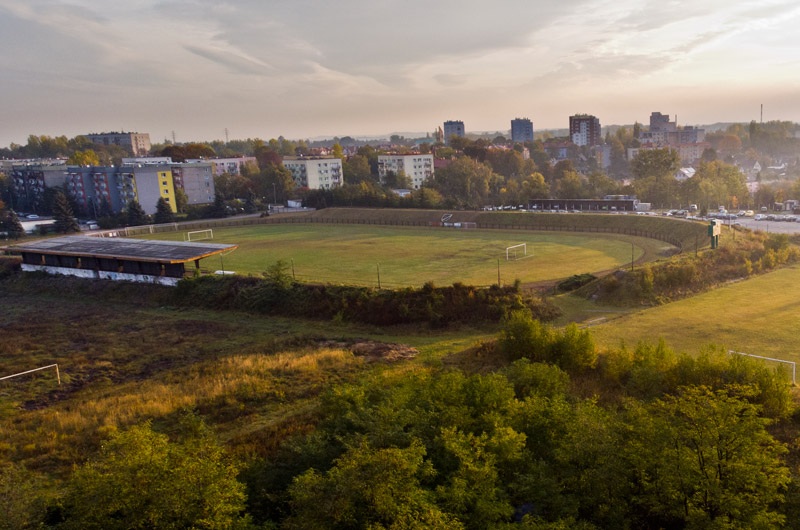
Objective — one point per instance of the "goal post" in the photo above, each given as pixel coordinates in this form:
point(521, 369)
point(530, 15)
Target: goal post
point(513, 251)
point(198, 235)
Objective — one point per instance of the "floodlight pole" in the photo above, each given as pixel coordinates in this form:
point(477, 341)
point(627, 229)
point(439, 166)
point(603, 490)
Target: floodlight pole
point(379, 275)
point(498, 272)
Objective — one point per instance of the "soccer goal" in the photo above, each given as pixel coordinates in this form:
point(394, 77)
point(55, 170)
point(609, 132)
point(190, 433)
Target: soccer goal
point(198, 235)
point(516, 251)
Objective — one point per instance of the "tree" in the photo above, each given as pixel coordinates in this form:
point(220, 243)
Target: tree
point(397, 180)
point(715, 184)
point(426, 198)
point(62, 211)
point(181, 200)
point(136, 215)
point(570, 186)
point(84, 158)
point(232, 186)
point(356, 169)
point(250, 203)
point(218, 210)
point(465, 181)
point(164, 212)
point(142, 480)
point(180, 153)
point(704, 459)
point(533, 186)
point(655, 163)
point(368, 488)
point(506, 162)
point(20, 497)
point(13, 226)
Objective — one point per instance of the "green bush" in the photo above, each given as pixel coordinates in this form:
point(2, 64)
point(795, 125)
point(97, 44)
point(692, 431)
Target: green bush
point(571, 349)
point(536, 379)
point(576, 281)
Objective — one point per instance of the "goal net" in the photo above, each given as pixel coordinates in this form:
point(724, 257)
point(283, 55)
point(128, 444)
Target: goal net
point(199, 235)
point(516, 251)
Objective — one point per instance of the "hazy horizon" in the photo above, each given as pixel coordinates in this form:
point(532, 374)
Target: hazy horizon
point(363, 69)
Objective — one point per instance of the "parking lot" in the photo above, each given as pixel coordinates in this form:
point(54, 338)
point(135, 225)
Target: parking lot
point(778, 227)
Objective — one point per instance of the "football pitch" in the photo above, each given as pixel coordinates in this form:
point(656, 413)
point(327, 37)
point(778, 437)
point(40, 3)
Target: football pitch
point(409, 257)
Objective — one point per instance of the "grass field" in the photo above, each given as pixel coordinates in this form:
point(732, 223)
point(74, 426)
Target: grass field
point(756, 316)
point(405, 256)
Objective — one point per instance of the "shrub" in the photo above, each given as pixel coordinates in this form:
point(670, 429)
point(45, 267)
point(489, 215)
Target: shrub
point(522, 336)
point(571, 349)
point(536, 379)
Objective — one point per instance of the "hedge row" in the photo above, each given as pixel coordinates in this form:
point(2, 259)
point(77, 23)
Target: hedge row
point(750, 254)
point(437, 306)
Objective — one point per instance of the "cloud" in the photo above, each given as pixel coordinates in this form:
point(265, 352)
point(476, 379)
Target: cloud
point(382, 64)
point(231, 60)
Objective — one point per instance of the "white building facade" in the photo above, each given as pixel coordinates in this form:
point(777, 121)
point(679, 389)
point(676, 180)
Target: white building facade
point(417, 167)
point(315, 172)
point(231, 166)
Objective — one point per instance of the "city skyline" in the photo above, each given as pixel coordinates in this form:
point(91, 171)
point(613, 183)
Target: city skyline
point(354, 68)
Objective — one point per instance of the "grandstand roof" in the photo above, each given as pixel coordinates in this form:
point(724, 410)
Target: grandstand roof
point(124, 248)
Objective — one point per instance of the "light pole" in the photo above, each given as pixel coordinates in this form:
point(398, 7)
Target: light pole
point(274, 193)
point(631, 256)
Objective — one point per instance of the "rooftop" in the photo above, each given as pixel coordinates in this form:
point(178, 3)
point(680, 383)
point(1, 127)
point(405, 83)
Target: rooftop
point(124, 248)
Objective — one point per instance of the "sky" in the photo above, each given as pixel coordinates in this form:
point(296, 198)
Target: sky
point(308, 69)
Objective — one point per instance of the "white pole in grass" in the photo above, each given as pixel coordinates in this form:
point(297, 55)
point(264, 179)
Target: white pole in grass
point(58, 374)
point(791, 363)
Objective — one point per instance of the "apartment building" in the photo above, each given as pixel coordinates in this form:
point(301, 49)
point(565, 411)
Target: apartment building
point(585, 130)
point(138, 144)
point(417, 167)
point(315, 172)
point(521, 130)
point(230, 166)
point(95, 188)
point(453, 128)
